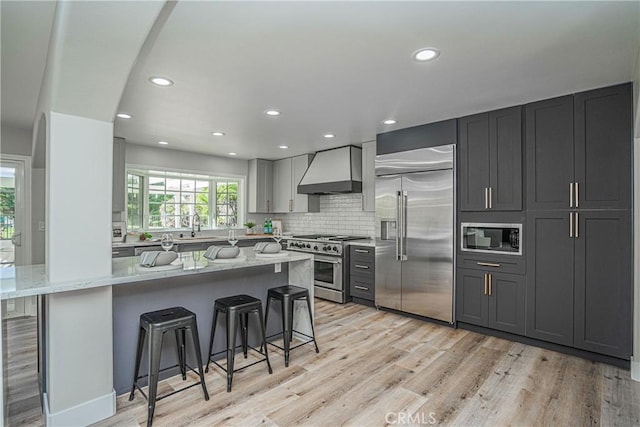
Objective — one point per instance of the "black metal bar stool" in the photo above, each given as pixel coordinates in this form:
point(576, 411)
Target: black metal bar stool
point(153, 326)
point(287, 295)
point(237, 309)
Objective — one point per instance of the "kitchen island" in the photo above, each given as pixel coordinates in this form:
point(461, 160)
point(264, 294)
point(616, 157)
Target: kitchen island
point(87, 348)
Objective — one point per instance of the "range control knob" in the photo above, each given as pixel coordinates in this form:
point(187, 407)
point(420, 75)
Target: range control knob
point(308, 246)
point(335, 249)
point(326, 248)
point(315, 248)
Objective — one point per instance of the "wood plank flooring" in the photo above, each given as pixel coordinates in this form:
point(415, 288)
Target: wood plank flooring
point(377, 368)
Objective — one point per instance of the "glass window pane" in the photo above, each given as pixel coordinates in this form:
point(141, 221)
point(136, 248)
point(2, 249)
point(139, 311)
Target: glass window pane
point(173, 184)
point(156, 183)
point(188, 185)
point(202, 186)
point(187, 198)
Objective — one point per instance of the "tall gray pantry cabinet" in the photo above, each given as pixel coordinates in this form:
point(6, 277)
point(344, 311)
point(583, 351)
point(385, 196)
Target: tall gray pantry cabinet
point(578, 174)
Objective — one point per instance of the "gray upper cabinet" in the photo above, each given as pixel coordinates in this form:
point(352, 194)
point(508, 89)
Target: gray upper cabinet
point(550, 276)
point(119, 183)
point(603, 141)
point(603, 282)
point(490, 166)
point(579, 150)
point(369, 176)
point(287, 174)
point(549, 153)
point(260, 186)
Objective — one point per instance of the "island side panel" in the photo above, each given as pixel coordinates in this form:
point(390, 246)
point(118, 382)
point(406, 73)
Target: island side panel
point(197, 294)
point(301, 274)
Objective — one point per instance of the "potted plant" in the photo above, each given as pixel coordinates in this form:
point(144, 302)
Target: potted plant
point(145, 236)
point(250, 226)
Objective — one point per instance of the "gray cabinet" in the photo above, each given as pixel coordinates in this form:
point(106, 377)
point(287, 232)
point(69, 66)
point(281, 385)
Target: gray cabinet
point(260, 186)
point(369, 176)
point(287, 174)
point(550, 277)
point(490, 165)
point(603, 141)
point(490, 299)
point(579, 150)
point(119, 178)
point(362, 272)
point(603, 282)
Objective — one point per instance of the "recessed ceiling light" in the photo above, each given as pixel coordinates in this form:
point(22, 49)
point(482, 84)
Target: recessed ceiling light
point(123, 116)
point(389, 122)
point(272, 112)
point(217, 133)
point(163, 143)
point(233, 154)
point(329, 135)
point(284, 147)
point(160, 81)
point(426, 54)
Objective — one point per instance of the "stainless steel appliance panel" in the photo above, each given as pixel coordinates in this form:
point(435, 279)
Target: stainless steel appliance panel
point(328, 272)
point(427, 267)
point(420, 160)
point(388, 266)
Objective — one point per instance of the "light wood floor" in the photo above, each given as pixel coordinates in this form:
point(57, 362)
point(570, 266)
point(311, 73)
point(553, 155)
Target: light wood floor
point(377, 368)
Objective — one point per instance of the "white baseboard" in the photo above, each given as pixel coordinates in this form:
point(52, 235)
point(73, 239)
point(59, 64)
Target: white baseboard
point(635, 369)
point(82, 415)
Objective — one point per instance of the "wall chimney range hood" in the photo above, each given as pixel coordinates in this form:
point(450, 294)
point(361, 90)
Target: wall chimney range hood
point(334, 171)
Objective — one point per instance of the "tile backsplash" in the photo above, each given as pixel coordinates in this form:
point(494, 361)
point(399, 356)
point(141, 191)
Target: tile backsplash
point(339, 214)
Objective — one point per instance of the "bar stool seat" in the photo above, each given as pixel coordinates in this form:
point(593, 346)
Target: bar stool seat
point(288, 295)
point(236, 309)
point(153, 326)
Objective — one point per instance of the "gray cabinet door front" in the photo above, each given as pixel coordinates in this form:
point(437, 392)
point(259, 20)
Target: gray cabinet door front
point(474, 161)
point(507, 303)
point(505, 148)
point(549, 153)
point(550, 277)
point(604, 287)
point(603, 130)
point(472, 305)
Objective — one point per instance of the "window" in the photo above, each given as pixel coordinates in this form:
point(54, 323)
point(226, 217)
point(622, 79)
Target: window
point(168, 200)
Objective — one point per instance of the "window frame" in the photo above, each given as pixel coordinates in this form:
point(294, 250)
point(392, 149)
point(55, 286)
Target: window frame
point(145, 172)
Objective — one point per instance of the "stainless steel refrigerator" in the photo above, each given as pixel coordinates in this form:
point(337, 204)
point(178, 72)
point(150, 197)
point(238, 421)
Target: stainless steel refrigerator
point(415, 231)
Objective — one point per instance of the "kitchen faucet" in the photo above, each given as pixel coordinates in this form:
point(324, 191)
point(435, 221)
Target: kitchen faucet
point(193, 224)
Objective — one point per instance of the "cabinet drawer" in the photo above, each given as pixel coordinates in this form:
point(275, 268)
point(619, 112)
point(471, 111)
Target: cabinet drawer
point(504, 264)
point(363, 269)
point(362, 251)
point(121, 252)
point(191, 247)
point(361, 288)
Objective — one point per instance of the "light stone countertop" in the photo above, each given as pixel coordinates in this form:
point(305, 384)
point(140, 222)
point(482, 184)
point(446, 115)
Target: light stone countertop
point(183, 240)
point(363, 242)
point(31, 280)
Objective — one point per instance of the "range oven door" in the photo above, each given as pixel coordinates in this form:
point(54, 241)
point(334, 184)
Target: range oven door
point(327, 272)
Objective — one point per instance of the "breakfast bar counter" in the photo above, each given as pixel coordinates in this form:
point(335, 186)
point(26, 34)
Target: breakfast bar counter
point(88, 327)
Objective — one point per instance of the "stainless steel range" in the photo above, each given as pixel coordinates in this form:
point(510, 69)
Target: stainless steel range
point(331, 261)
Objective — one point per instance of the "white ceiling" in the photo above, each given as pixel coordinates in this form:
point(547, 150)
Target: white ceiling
point(343, 67)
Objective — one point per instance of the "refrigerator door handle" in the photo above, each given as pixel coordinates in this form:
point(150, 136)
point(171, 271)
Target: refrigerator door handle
point(405, 197)
point(398, 226)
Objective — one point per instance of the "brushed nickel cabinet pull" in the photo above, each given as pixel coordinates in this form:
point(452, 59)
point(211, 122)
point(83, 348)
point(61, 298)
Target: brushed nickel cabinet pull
point(490, 283)
point(290, 205)
point(570, 224)
point(490, 198)
point(486, 197)
point(576, 193)
point(115, 252)
point(362, 251)
point(366, 267)
point(485, 282)
point(576, 225)
point(268, 210)
point(362, 288)
point(571, 194)
point(488, 264)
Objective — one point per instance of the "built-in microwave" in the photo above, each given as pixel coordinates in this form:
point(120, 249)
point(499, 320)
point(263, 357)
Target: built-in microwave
point(504, 239)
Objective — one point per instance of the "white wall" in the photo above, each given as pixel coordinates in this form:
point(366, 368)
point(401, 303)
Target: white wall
point(38, 182)
point(339, 214)
point(15, 141)
point(78, 197)
point(168, 159)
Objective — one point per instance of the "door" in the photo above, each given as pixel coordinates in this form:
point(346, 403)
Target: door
point(388, 270)
point(14, 239)
point(549, 148)
point(550, 276)
point(604, 285)
point(427, 268)
point(505, 149)
point(507, 303)
point(603, 130)
point(282, 185)
point(471, 299)
point(473, 137)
